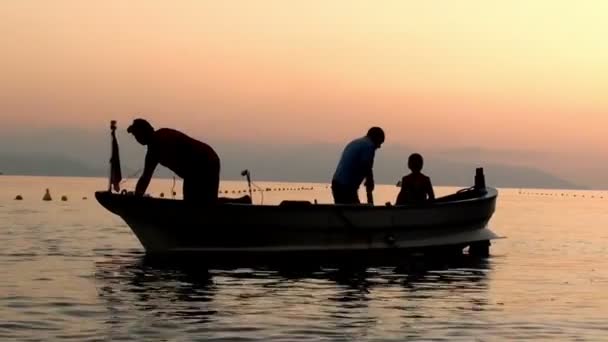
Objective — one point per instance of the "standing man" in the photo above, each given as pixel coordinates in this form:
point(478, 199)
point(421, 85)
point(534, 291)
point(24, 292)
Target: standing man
point(356, 164)
point(192, 160)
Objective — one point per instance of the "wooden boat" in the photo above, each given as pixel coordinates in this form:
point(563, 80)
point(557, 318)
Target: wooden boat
point(300, 231)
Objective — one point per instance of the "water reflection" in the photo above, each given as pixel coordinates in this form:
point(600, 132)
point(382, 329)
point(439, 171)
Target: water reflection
point(171, 290)
point(131, 282)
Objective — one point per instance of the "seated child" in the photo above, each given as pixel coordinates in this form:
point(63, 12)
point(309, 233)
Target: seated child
point(415, 187)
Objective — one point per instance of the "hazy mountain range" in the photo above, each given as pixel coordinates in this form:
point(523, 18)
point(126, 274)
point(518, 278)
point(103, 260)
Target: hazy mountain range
point(73, 153)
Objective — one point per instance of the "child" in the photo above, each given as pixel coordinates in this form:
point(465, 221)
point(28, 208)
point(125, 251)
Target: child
point(415, 187)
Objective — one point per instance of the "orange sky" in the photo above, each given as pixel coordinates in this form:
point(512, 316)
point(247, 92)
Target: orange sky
point(509, 74)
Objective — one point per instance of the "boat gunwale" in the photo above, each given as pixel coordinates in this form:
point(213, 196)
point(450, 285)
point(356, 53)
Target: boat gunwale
point(108, 199)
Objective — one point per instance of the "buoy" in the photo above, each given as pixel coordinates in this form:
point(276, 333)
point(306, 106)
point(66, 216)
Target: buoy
point(47, 196)
point(64, 198)
point(84, 198)
point(162, 195)
point(18, 198)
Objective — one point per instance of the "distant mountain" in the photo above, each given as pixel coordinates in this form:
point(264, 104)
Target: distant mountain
point(316, 163)
point(305, 163)
point(44, 165)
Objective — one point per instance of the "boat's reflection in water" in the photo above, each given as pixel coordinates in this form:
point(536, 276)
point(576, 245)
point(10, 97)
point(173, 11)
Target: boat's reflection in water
point(133, 285)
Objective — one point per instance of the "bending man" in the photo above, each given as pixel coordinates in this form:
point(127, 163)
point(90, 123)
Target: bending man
point(192, 160)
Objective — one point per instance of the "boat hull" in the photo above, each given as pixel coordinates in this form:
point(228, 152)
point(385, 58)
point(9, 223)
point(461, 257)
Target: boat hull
point(300, 230)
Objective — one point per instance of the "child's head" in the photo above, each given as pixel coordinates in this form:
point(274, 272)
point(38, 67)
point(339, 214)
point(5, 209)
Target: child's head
point(415, 162)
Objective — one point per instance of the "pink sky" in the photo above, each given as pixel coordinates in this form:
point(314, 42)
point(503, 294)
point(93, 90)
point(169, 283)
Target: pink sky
point(515, 74)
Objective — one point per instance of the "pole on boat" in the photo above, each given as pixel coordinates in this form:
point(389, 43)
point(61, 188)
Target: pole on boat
point(115, 173)
point(245, 173)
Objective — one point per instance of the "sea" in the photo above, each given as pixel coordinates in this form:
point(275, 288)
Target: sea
point(70, 270)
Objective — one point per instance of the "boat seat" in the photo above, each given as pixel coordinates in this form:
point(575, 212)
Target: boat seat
point(240, 200)
point(295, 203)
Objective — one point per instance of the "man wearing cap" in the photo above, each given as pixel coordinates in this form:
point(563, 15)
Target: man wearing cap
point(356, 164)
point(192, 160)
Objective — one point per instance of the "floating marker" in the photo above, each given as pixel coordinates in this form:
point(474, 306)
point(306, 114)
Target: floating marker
point(18, 198)
point(47, 196)
point(64, 198)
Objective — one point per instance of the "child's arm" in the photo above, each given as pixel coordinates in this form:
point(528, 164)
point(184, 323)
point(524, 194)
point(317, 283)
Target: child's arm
point(430, 191)
point(401, 196)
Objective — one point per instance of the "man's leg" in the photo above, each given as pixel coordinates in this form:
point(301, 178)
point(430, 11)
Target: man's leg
point(352, 196)
point(189, 189)
point(202, 191)
point(210, 186)
point(337, 193)
point(344, 195)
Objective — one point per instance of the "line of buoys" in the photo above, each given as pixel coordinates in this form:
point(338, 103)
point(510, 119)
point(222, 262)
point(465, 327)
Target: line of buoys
point(265, 190)
point(221, 191)
point(560, 194)
point(47, 196)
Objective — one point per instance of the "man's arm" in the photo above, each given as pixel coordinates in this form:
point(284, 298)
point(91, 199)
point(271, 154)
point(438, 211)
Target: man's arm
point(369, 181)
point(368, 164)
point(430, 191)
point(144, 180)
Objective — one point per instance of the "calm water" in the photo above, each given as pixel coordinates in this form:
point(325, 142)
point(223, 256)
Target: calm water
point(71, 270)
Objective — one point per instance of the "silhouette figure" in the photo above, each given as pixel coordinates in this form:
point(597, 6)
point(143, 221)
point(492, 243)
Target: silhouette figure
point(355, 165)
point(415, 187)
point(192, 160)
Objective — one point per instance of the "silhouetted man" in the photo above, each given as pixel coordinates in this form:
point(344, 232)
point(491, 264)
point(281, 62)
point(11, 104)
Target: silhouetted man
point(355, 165)
point(194, 161)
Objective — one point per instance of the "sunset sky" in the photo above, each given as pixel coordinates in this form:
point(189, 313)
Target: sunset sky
point(529, 75)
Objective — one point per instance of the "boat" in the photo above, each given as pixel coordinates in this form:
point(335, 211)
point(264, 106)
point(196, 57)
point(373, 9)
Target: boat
point(236, 230)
